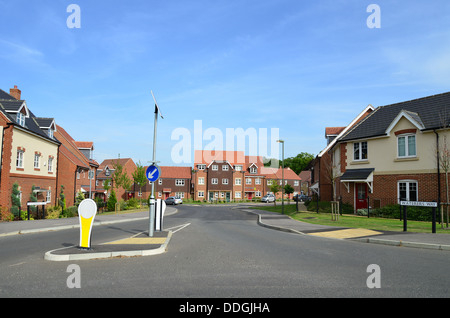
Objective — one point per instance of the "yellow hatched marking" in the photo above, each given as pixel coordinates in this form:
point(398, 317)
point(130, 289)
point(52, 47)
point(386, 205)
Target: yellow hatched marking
point(349, 233)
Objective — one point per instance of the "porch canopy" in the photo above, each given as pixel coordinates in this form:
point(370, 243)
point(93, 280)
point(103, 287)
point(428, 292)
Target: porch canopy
point(358, 176)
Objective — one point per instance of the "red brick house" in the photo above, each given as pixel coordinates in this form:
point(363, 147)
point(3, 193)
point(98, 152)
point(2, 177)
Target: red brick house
point(231, 175)
point(323, 172)
point(105, 172)
point(74, 167)
point(174, 181)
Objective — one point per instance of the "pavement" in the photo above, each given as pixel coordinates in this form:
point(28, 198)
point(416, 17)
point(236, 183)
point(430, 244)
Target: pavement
point(143, 245)
point(403, 239)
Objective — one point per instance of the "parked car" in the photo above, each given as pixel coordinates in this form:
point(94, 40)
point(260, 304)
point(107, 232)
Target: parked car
point(268, 198)
point(173, 200)
point(301, 198)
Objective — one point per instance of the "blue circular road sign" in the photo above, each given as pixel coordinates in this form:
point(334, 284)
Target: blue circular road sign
point(153, 173)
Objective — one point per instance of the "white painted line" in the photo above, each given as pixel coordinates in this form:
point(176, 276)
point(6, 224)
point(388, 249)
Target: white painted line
point(180, 227)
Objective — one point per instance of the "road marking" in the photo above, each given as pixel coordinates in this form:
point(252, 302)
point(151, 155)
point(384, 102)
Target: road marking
point(348, 233)
point(21, 263)
point(180, 227)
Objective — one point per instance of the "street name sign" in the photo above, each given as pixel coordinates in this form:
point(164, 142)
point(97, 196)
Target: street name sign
point(417, 203)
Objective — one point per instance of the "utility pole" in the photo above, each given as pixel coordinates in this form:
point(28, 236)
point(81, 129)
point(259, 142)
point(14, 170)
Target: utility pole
point(282, 175)
point(152, 196)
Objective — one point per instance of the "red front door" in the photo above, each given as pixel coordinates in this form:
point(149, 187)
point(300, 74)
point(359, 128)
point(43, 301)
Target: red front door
point(361, 196)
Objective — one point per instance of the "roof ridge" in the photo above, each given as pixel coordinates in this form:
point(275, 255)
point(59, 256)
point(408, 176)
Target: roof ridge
point(415, 99)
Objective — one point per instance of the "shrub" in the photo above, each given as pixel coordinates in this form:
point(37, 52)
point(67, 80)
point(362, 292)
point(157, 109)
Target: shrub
point(54, 212)
point(70, 212)
point(132, 204)
point(111, 205)
point(24, 215)
point(6, 215)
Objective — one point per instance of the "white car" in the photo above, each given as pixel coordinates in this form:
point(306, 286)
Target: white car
point(268, 198)
point(174, 200)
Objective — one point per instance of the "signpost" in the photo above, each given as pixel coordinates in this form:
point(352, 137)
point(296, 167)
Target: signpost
point(432, 205)
point(153, 172)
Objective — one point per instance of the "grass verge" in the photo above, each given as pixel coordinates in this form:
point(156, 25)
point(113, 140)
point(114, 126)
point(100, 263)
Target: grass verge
point(353, 221)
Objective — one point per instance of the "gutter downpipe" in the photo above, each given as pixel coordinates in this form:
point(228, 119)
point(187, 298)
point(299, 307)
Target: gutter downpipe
point(438, 171)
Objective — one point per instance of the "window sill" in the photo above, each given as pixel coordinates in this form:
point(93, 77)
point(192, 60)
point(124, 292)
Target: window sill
point(406, 159)
point(361, 162)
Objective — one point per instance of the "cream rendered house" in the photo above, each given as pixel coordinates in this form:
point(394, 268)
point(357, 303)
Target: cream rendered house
point(29, 152)
point(391, 155)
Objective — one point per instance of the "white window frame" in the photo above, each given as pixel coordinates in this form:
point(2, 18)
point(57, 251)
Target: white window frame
point(214, 181)
point(225, 168)
point(237, 194)
point(237, 181)
point(201, 167)
point(179, 182)
point(360, 152)
point(248, 180)
point(296, 183)
point(224, 181)
point(238, 167)
point(253, 170)
point(37, 161)
point(406, 145)
point(19, 160)
point(201, 180)
point(215, 167)
point(258, 181)
point(20, 118)
point(50, 164)
point(160, 181)
point(408, 194)
point(49, 195)
point(201, 194)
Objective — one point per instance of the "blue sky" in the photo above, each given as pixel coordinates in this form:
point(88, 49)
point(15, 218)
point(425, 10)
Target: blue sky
point(295, 65)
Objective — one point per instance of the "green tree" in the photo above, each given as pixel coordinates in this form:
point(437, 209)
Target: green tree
point(33, 198)
point(288, 189)
point(120, 177)
point(274, 188)
point(111, 205)
point(79, 198)
point(139, 177)
point(297, 163)
point(62, 199)
point(15, 200)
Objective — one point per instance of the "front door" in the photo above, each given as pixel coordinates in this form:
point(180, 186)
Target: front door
point(361, 196)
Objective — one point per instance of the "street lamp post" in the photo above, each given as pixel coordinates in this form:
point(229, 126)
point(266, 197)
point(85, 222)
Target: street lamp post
point(282, 175)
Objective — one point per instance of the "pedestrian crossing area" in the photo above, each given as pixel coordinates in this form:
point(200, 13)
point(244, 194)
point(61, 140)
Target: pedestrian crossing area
point(346, 233)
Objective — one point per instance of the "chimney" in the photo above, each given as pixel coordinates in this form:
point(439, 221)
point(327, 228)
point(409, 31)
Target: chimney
point(15, 92)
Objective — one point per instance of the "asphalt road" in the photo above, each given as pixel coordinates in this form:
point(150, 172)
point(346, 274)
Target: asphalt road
point(223, 253)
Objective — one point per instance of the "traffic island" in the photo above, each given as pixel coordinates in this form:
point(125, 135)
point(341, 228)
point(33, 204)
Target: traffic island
point(138, 245)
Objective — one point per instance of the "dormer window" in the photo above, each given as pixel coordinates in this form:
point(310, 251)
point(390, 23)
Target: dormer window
point(20, 118)
point(50, 133)
point(253, 170)
point(107, 171)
